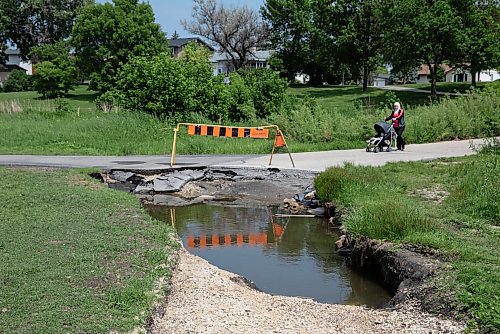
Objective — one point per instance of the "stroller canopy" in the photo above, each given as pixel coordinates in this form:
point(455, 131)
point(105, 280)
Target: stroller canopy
point(382, 127)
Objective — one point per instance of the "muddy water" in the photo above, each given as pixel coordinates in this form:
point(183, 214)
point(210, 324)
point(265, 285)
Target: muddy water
point(285, 256)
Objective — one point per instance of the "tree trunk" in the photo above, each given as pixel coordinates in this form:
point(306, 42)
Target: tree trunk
point(473, 72)
point(433, 72)
point(365, 78)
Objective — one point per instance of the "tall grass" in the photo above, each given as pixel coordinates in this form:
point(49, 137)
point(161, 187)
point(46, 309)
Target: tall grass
point(387, 203)
point(465, 117)
point(468, 116)
point(65, 126)
point(478, 193)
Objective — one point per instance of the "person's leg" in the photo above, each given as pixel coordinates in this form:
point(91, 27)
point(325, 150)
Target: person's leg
point(400, 141)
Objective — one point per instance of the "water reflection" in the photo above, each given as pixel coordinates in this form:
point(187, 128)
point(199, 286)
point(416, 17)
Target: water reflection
point(286, 256)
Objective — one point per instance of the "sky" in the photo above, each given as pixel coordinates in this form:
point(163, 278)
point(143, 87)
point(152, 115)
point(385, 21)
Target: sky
point(169, 13)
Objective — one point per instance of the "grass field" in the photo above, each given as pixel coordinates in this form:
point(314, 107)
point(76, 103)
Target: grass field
point(77, 257)
point(344, 98)
point(313, 119)
point(79, 99)
point(452, 206)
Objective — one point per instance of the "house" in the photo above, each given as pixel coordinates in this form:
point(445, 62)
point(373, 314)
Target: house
point(380, 79)
point(457, 74)
point(14, 58)
point(177, 45)
point(424, 73)
point(222, 64)
point(5, 70)
point(462, 75)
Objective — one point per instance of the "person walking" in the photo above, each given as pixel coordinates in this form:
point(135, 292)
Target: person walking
point(398, 121)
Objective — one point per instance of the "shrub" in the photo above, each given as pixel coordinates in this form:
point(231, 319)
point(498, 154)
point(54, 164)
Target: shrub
point(165, 86)
point(56, 73)
point(264, 91)
point(18, 81)
point(53, 80)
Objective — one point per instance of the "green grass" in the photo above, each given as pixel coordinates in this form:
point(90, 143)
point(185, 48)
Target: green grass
point(77, 257)
point(79, 99)
point(313, 119)
point(449, 205)
point(343, 98)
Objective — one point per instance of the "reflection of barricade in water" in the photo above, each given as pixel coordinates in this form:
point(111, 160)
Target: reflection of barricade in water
point(216, 240)
point(239, 239)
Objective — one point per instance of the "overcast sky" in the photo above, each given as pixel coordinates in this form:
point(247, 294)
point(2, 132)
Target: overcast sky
point(169, 13)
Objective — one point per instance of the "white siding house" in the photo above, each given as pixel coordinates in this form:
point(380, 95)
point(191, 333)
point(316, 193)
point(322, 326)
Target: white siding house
point(221, 62)
point(14, 58)
point(13, 62)
point(461, 75)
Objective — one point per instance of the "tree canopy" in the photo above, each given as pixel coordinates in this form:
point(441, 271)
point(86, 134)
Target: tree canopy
point(236, 30)
point(33, 23)
point(106, 36)
point(322, 37)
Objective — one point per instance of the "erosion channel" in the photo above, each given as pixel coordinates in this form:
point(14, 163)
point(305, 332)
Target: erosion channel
point(279, 255)
point(232, 219)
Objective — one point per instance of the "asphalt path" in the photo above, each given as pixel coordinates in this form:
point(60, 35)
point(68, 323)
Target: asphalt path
point(416, 90)
point(308, 161)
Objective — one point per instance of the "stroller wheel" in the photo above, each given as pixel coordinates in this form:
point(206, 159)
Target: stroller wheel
point(367, 149)
point(389, 149)
point(376, 149)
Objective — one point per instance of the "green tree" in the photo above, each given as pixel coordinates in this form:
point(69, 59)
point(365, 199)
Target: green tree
point(56, 73)
point(106, 36)
point(169, 87)
point(39, 22)
point(3, 37)
point(480, 47)
point(421, 31)
point(292, 34)
point(357, 23)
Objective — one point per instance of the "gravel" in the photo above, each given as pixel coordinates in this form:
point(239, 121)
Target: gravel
point(206, 299)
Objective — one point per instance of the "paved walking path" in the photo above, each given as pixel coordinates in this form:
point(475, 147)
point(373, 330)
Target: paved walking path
point(311, 161)
point(416, 90)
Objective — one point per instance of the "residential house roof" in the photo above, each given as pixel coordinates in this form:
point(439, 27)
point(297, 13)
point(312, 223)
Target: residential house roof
point(179, 42)
point(262, 55)
point(10, 67)
point(424, 69)
point(12, 52)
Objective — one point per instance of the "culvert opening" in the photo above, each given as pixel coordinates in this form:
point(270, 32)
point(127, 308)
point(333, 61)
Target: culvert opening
point(289, 256)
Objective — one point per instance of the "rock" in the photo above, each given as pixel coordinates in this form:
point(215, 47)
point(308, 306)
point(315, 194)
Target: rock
point(203, 199)
point(342, 242)
point(144, 188)
point(182, 175)
point(169, 200)
point(168, 185)
point(194, 174)
point(121, 176)
point(320, 211)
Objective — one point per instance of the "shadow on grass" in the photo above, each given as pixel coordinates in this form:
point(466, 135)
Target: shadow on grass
point(90, 97)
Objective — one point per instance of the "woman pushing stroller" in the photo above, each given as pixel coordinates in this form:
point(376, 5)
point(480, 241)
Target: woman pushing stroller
point(398, 122)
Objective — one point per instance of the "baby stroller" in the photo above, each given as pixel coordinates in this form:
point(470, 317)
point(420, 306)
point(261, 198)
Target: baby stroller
point(385, 138)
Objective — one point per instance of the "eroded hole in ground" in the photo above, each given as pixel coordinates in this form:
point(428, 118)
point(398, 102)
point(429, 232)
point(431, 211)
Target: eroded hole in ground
point(281, 255)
